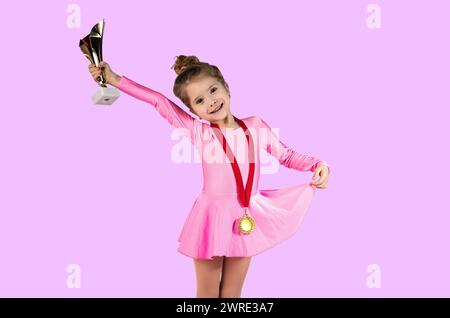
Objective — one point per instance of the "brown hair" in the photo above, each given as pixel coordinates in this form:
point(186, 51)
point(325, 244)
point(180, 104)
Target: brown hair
point(190, 67)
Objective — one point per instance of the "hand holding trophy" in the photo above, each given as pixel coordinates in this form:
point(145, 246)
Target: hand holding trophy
point(91, 46)
point(103, 69)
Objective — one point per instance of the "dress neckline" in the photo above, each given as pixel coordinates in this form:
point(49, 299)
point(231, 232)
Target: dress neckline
point(234, 129)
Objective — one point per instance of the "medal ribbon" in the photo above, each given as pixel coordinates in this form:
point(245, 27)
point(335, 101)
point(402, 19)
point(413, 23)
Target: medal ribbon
point(244, 194)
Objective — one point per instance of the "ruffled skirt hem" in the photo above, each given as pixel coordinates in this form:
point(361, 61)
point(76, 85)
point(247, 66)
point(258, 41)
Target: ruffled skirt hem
point(211, 230)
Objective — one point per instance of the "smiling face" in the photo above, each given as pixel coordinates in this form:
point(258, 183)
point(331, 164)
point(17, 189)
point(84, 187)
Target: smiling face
point(208, 98)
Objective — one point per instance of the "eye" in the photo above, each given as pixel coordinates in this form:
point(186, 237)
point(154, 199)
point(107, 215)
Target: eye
point(201, 99)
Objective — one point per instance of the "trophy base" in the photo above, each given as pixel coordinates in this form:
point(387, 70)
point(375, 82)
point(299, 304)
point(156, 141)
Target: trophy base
point(105, 95)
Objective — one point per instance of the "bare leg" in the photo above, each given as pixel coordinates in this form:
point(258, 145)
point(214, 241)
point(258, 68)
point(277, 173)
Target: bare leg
point(208, 276)
point(233, 276)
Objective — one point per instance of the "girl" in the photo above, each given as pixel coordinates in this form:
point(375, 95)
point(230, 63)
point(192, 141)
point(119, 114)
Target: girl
point(228, 223)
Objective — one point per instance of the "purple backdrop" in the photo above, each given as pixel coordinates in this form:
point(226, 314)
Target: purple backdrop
point(363, 87)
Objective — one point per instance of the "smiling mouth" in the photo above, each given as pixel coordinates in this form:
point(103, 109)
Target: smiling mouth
point(217, 109)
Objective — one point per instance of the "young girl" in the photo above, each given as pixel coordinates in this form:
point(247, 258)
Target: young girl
point(228, 223)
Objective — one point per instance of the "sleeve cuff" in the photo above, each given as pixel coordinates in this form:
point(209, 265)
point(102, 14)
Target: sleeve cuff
point(122, 81)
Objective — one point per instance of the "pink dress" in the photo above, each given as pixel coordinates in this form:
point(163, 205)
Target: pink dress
point(210, 228)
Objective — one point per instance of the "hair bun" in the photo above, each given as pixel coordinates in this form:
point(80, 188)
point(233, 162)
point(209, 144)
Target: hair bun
point(183, 62)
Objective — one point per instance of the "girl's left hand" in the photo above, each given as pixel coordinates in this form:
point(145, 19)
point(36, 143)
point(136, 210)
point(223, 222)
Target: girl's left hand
point(324, 172)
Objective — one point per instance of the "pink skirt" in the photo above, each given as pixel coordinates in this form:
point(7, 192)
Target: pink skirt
point(210, 228)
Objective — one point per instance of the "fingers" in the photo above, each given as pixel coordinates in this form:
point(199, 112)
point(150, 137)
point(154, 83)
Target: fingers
point(101, 65)
point(316, 174)
point(321, 183)
point(321, 180)
point(102, 69)
point(95, 71)
point(316, 183)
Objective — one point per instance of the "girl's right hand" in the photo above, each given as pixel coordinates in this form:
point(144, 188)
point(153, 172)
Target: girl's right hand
point(104, 68)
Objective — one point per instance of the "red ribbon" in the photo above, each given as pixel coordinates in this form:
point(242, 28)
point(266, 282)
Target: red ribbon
point(244, 194)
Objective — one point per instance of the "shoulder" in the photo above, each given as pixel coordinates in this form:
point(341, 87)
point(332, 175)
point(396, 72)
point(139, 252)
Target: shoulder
point(253, 121)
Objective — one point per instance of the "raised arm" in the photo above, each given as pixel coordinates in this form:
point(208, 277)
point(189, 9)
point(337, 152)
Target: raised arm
point(176, 116)
point(284, 154)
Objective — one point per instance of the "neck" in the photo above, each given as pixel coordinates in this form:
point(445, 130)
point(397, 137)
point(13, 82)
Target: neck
point(227, 122)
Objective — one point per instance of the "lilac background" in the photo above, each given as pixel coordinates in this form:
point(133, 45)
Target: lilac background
point(95, 185)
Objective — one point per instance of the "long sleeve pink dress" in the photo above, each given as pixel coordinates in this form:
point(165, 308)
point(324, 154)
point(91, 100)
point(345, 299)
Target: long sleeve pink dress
point(210, 227)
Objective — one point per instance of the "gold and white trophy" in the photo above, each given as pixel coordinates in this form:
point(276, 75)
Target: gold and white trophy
point(91, 46)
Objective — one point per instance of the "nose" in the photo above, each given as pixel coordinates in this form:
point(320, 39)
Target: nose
point(213, 104)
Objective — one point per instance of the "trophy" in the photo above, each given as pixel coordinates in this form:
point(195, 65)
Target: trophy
point(91, 46)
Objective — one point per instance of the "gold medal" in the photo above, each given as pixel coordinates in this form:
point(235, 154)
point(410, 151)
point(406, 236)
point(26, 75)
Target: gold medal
point(246, 224)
